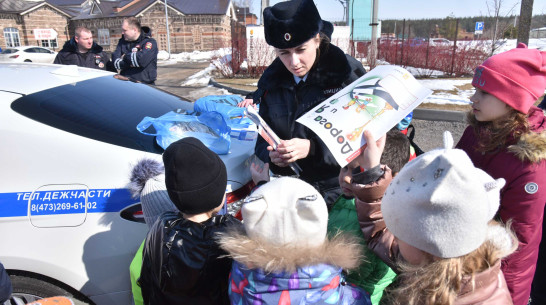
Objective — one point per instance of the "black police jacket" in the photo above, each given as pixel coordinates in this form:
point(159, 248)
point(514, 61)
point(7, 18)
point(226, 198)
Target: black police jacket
point(282, 102)
point(137, 59)
point(94, 58)
point(182, 263)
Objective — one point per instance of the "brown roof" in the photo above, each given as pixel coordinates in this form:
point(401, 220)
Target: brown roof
point(66, 2)
point(193, 7)
point(17, 6)
point(108, 9)
point(80, 9)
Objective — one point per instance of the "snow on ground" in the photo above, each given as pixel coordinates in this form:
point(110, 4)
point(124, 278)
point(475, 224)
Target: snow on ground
point(442, 87)
point(200, 78)
point(504, 45)
point(195, 56)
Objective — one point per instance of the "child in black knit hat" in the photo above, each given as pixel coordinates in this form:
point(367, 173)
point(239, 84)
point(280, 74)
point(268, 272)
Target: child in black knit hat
point(182, 263)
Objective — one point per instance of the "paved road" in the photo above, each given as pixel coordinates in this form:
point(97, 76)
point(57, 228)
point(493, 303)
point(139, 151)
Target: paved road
point(170, 78)
point(429, 134)
point(429, 125)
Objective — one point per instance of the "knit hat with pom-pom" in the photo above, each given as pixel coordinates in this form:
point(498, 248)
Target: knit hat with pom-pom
point(148, 182)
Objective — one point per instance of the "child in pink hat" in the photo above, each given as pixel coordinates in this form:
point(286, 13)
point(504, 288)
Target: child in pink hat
point(506, 139)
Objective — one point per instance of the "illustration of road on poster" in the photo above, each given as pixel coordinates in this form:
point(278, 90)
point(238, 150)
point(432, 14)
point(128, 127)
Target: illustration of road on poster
point(376, 102)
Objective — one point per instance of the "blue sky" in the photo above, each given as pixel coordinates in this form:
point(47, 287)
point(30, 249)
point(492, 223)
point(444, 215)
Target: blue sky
point(417, 9)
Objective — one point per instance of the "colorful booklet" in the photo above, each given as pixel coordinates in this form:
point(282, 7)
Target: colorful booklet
point(268, 134)
point(376, 102)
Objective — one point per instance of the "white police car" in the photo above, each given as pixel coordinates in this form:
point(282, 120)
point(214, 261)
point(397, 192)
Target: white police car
point(69, 141)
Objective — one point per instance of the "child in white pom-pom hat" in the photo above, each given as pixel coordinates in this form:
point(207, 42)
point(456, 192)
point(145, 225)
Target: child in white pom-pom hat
point(434, 225)
point(284, 256)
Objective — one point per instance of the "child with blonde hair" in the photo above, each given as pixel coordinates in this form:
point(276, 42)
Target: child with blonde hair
point(506, 139)
point(434, 225)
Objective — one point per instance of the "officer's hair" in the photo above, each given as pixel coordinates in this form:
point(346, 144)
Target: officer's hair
point(132, 21)
point(80, 29)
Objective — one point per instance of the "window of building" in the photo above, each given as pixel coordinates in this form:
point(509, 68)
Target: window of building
point(49, 43)
point(11, 35)
point(104, 37)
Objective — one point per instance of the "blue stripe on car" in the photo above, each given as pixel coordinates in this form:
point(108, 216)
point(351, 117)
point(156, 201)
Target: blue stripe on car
point(64, 202)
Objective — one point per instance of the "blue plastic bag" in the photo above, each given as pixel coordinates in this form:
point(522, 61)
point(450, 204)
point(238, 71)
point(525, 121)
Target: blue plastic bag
point(227, 106)
point(209, 127)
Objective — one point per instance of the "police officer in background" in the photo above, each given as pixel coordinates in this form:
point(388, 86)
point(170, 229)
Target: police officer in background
point(82, 51)
point(136, 54)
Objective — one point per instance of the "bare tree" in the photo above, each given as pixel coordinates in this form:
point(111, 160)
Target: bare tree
point(526, 14)
point(345, 4)
point(495, 9)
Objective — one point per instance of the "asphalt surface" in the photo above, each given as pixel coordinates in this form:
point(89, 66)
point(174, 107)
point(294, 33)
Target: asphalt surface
point(429, 124)
point(171, 77)
point(429, 134)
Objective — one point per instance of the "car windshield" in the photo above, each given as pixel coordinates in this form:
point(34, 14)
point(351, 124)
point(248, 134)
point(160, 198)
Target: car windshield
point(8, 51)
point(103, 109)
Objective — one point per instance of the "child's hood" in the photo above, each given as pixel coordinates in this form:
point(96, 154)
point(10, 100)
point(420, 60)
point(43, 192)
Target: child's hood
point(532, 145)
point(341, 250)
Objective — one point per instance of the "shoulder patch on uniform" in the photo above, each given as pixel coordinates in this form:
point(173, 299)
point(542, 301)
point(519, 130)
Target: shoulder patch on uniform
point(148, 46)
point(531, 188)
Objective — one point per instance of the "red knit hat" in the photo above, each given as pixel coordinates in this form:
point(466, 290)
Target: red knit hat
point(516, 77)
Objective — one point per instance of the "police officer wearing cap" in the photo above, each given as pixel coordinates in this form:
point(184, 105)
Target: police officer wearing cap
point(136, 53)
point(308, 69)
point(82, 51)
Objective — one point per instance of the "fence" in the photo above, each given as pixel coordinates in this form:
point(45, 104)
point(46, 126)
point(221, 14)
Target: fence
point(458, 60)
point(251, 54)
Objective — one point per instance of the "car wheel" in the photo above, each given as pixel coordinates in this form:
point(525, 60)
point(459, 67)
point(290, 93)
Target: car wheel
point(28, 60)
point(28, 289)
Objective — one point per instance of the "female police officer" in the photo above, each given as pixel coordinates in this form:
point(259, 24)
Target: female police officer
point(308, 69)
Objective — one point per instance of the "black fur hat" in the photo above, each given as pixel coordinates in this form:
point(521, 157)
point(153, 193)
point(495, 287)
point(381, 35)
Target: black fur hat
point(291, 23)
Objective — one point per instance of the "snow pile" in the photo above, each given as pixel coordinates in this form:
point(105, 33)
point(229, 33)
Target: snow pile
point(195, 56)
point(461, 97)
point(503, 45)
point(200, 78)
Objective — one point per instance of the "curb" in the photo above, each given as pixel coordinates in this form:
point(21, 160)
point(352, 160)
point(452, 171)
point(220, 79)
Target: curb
point(232, 90)
point(418, 114)
point(439, 115)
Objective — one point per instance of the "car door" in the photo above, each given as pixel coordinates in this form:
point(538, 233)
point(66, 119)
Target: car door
point(46, 56)
point(30, 55)
point(43, 55)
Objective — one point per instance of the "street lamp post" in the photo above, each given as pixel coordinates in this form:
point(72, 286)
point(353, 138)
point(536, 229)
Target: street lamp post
point(168, 35)
point(352, 28)
point(374, 24)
